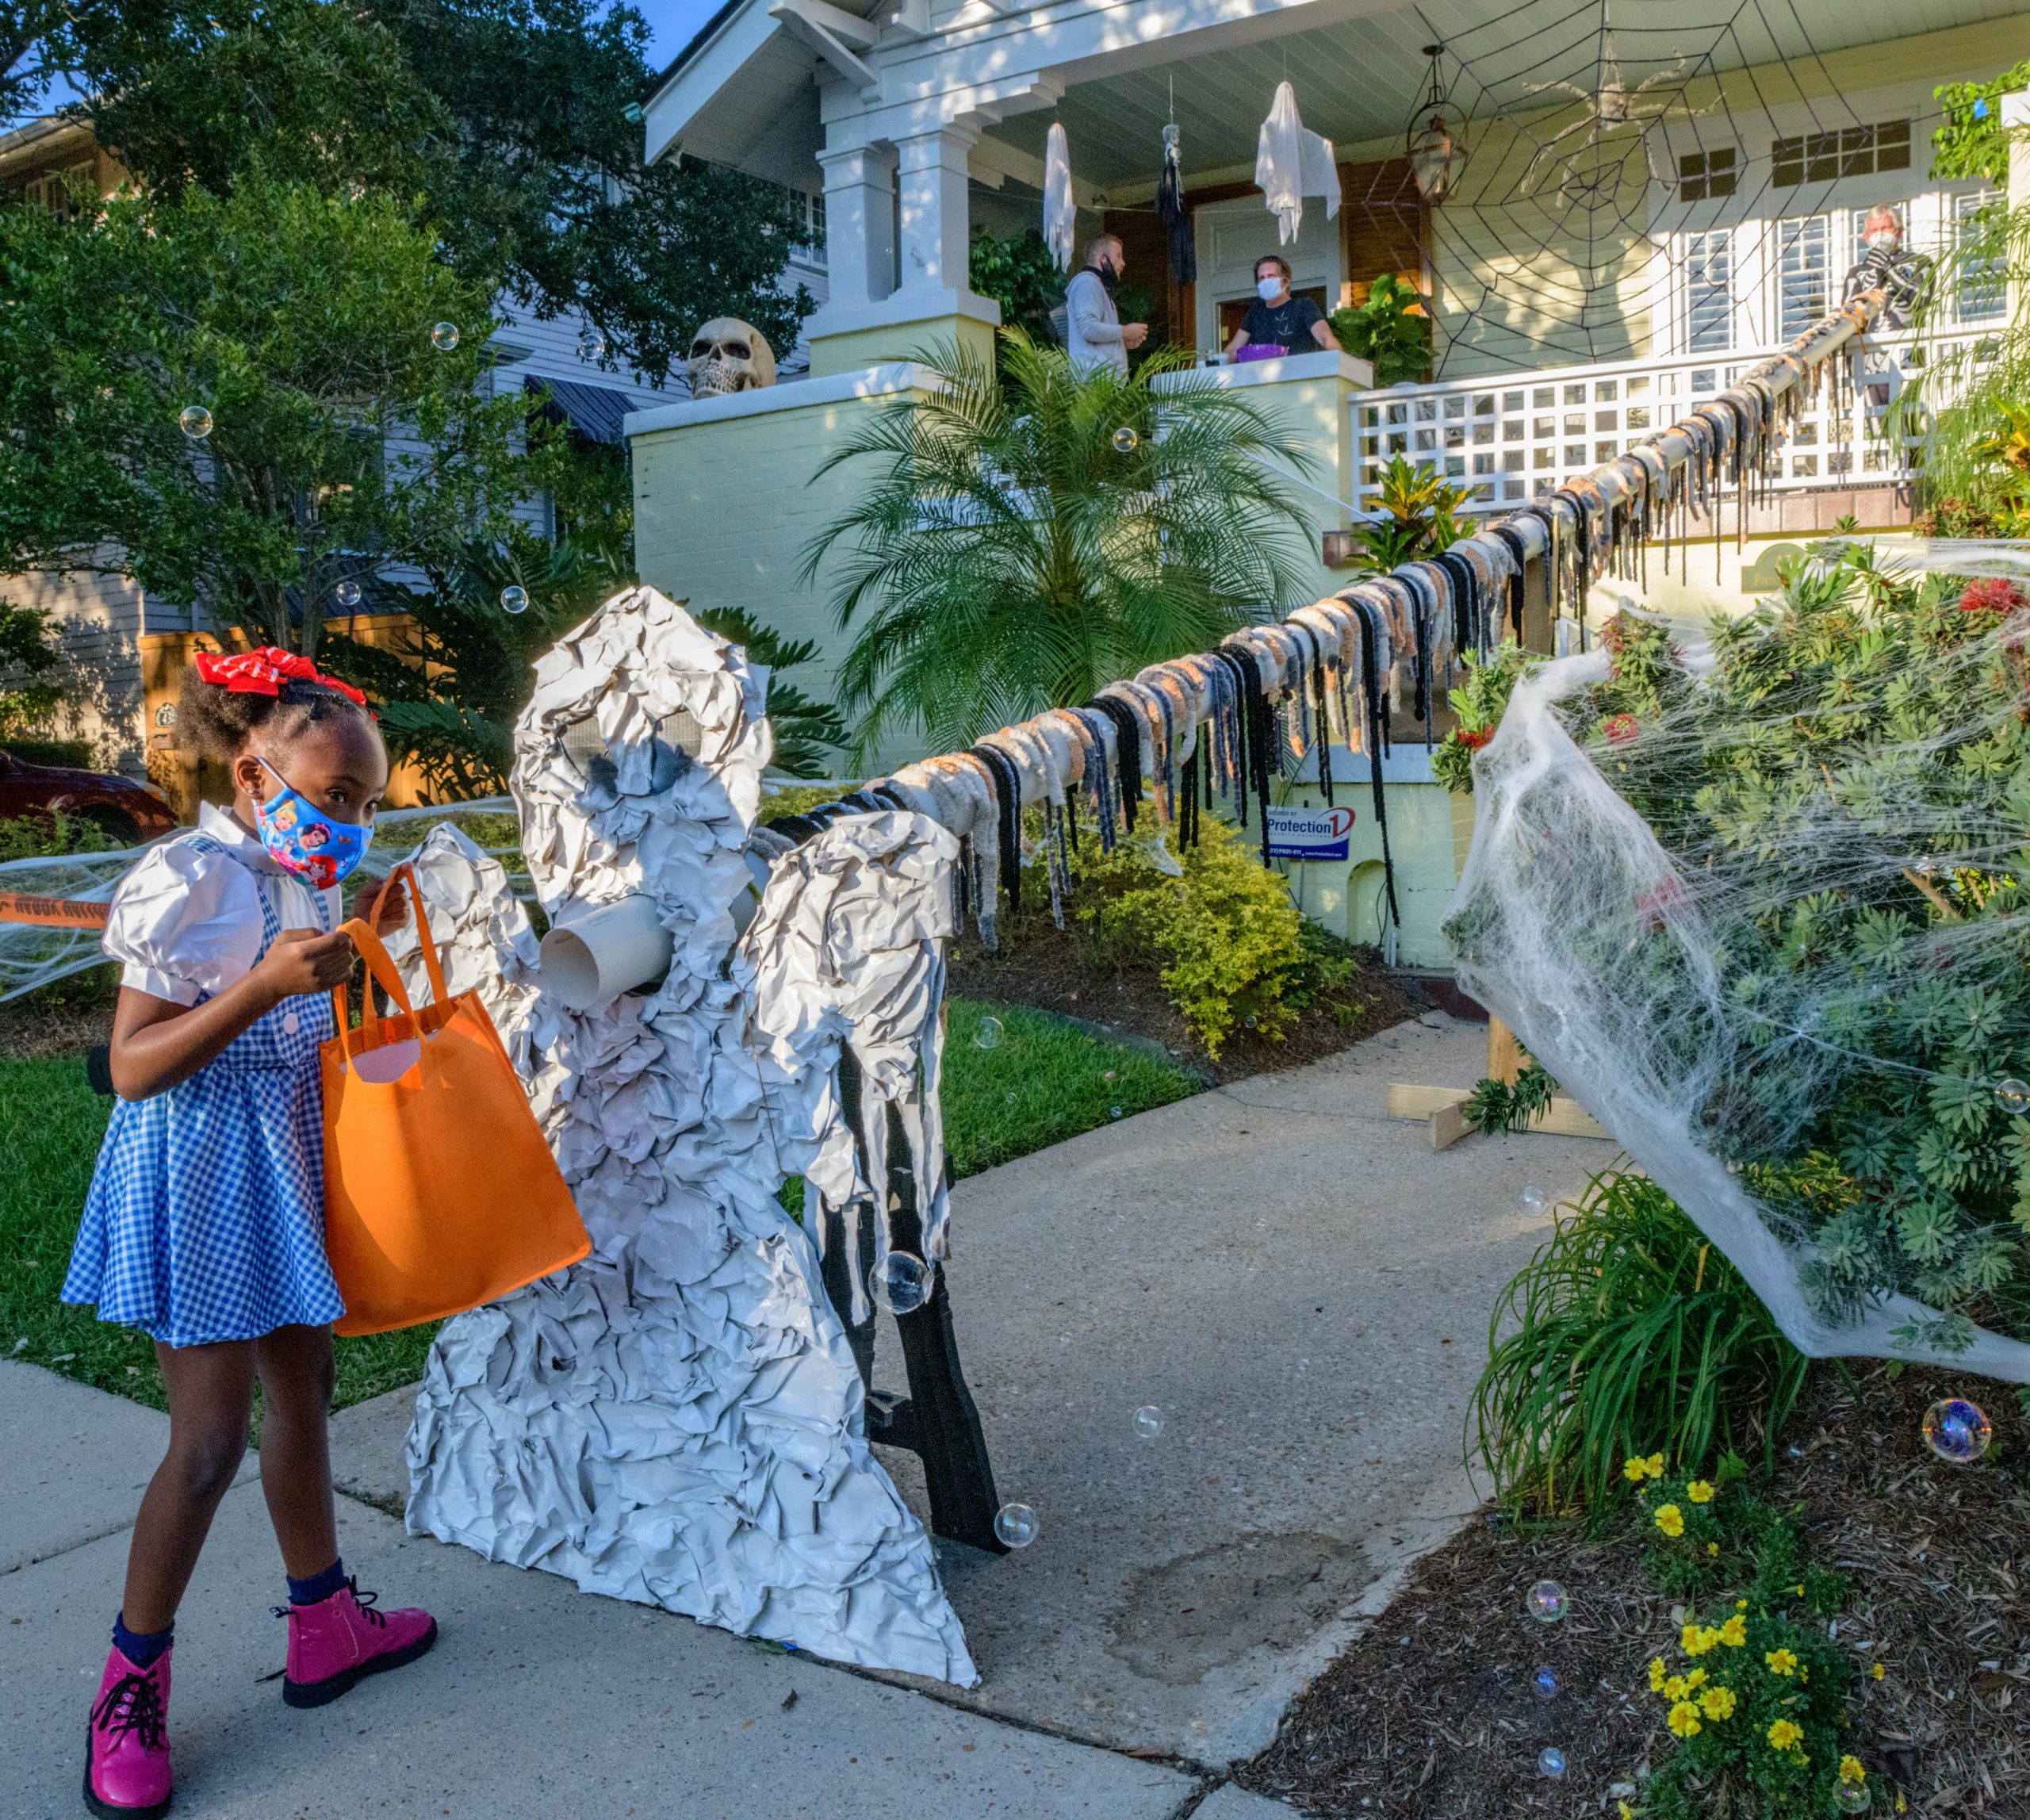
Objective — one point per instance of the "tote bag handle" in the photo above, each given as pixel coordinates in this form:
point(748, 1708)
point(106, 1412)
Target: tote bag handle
point(380, 963)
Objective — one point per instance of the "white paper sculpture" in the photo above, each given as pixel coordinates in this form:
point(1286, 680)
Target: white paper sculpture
point(678, 1420)
point(1291, 163)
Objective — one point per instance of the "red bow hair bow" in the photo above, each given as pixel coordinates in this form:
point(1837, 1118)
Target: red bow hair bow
point(263, 672)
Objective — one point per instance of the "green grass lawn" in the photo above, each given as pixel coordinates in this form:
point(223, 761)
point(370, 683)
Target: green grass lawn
point(1044, 1081)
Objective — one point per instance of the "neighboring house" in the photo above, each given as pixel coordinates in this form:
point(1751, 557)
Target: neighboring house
point(1728, 224)
point(105, 619)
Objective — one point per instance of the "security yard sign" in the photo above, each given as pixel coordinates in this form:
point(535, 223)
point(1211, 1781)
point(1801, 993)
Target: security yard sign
point(1309, 833)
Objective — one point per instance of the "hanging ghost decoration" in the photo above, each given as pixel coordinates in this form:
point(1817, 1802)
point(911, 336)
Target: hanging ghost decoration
point(1170, 211)
point(1291, 162)
point(1060, 212)
point(679, 1419)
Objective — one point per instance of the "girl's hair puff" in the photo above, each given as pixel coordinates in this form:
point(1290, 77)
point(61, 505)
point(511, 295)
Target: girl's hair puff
point(218, 721)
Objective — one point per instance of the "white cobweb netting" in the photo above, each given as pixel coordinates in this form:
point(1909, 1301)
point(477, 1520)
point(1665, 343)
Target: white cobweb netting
point(1759, 897)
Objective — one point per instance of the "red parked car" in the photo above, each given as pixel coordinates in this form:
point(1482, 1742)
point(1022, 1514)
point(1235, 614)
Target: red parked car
point(124, 811)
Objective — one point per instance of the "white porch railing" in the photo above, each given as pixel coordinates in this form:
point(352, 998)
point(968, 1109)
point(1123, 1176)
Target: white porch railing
point(1512, 438)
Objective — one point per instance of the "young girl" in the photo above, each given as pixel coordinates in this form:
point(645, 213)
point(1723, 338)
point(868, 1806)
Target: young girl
point(204, 1224)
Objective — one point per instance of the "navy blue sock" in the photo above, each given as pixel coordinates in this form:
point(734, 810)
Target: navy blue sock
point(140, 1651)
point(319, 1587)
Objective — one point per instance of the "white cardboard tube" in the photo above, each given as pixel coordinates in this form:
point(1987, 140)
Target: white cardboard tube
point(601, 953)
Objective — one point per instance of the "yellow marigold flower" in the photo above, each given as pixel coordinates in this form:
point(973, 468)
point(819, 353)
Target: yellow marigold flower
point(1699, 1491)
point(1712, 1548)
point(1877, 1671)
point(1717, 1703)
point(1781, 1662)
point(1655, 1463)
point(1735, 1632)
point(1741, 1604)
point(1626, 1812)
point(1670, 1519)
point(1636, 1468)
point(1852, 1770)
point(1693, 1681)
point(1683, 1719)
point(1799, 1589)
point(1675, 1689)
point(1698, 1638)
point(1784, 1734)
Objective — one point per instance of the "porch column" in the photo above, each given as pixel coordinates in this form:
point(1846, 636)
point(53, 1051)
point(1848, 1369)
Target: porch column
point(859, 225)
point(931, 189)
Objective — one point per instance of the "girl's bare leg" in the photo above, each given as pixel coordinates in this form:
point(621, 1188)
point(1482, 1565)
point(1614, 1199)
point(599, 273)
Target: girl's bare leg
point(295, 1369)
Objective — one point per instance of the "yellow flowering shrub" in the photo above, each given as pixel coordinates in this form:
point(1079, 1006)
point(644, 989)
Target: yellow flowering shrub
point(1699, 1491)
point(1670, 1519)
point(1786, 1734)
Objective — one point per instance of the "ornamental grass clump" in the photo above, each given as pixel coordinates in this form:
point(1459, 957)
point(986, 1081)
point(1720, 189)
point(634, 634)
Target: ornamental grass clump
point(1753, 1690)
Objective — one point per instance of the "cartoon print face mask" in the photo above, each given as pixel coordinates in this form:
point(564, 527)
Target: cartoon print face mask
point(302, 839)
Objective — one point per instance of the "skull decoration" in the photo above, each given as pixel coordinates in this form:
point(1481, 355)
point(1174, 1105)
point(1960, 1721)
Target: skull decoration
point(730, 355)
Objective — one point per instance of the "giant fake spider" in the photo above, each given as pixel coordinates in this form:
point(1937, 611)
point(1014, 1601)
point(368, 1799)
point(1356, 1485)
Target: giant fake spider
point(1592, 166)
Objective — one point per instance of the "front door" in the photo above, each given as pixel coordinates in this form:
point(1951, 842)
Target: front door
point(1232, 236)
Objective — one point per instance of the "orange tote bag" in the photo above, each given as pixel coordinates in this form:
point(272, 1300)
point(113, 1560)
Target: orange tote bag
point(439, 1191)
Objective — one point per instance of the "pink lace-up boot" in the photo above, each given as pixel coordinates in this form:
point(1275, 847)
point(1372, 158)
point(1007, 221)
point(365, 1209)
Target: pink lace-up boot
point(127, 1759)
point(338, 1640)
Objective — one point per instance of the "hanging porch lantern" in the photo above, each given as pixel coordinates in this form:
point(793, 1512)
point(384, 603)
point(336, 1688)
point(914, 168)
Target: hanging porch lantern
point(1437, 153)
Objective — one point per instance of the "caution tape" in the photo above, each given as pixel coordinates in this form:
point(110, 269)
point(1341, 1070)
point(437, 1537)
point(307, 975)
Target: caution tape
point(52, 913)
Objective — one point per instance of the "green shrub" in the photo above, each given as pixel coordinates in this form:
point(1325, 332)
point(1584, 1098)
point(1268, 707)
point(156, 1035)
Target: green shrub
point(1755, 1691)
point(65, 754)
point(1230, 944)
point(1383, 329)
point(1631, 1335)
point(46, 837)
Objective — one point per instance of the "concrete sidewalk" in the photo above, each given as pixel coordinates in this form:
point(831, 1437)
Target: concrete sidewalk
point(538, 1701)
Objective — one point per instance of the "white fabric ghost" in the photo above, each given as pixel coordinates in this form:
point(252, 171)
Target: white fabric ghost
point(678, 1420)
point(1291, 162)
point(1060, 212)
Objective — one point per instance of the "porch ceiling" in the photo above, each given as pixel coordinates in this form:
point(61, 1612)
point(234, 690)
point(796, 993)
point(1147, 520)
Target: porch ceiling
point(1357, 81)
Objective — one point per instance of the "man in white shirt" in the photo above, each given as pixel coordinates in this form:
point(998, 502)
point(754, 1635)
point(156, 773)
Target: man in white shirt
point(1094, 333)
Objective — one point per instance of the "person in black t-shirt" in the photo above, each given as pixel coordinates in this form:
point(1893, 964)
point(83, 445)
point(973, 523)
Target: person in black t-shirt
point(1276, 320)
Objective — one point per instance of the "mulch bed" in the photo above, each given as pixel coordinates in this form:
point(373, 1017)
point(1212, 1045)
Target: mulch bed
point(1431, 1715)
point(1056, 969)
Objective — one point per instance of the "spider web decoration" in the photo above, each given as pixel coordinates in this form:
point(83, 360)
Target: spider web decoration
point(1557, 240)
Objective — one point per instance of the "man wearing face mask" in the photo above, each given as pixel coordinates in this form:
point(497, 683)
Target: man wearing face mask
point(1094, 333)
point(1276, 323)
point(1901, 276)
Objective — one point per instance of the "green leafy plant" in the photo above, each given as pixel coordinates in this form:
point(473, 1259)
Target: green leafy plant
point(1017, 272)
point(1511, 1105)
point(31, 671)
point(1628, 1333)
point(1970, 139)
point(1754, 1692)
point(1035, 532)
point(1392, 329)
point(1421, 516)
point(1479, 702)
point(45, 836)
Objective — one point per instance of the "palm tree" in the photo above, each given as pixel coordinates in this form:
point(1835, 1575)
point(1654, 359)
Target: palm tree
point(1040, 532)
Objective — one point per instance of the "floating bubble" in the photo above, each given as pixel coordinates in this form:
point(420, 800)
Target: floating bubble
point(902, 1284)
point(1548, 1683)
point(1547, 1602)
point(1148, 1421)
point(1016, 1525)
point(2013, 1096)
point(1536, 1197)
point(592, 344)
point(347, 593)
point(988, 1035)
point(515, 599)
point(1956, 1430)
point(444, 336)
point(1854, 1798)
point(1125, 441)
point(1550, 1761)
point(1113, 1112)
point(195, 422)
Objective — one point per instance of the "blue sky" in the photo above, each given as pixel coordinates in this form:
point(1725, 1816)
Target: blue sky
point(673, 22)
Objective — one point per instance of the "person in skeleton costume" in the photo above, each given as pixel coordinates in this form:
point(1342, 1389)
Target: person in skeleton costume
point(679, 1419)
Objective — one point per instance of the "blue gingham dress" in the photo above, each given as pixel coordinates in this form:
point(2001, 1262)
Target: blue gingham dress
point(206, 1220)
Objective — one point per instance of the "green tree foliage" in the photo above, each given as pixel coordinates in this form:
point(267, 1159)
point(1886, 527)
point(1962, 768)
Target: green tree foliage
point(1970, 139)
point(1037, 532)
point(30, 670)
point(1391, 329)
point(1017, 272)
point(342, 439)
point(506, 121)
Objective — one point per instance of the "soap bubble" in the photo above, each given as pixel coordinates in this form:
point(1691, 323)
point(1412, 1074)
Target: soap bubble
point(1125, 441)
point(592, 344)
point(444, 336)
point(1536, 1197)
point(988, 1035)
point(1548, 1684)
point(1113, 1112)
point(515, 599)
point(1148, 1421)
point(1547, 1602)
point(2013, 1096)
point(902, 1283)
point(1016, 1525)
point(1854, 1798)
point(195, 422)
point(1956, 1430)
point(1550, 1761)
point(347, 593)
